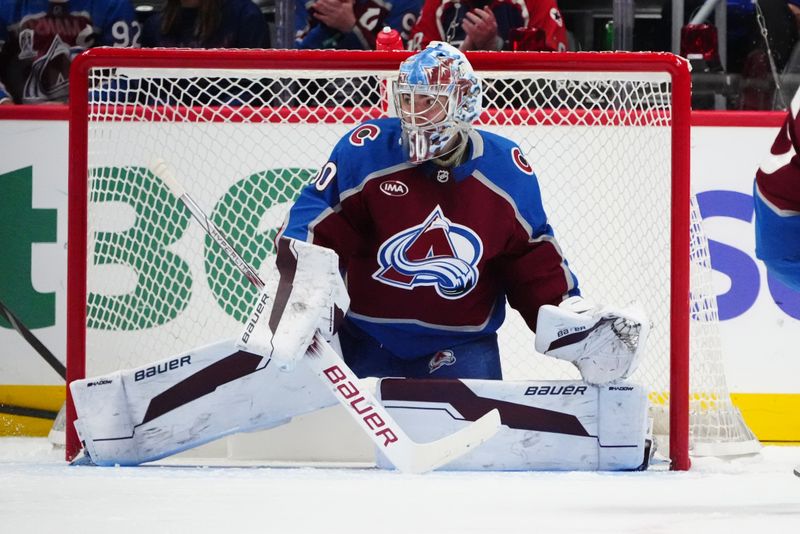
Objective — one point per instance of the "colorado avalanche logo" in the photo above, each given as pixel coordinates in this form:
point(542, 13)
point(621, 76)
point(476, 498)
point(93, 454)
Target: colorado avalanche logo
point(441, 358)
point(435, 253)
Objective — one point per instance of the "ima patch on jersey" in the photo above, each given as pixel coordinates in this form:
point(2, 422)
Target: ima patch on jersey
point(394, 188)
point(435, 253)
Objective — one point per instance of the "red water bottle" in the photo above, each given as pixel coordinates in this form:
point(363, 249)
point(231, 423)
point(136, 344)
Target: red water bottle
point(527, 39)
point(388, 39)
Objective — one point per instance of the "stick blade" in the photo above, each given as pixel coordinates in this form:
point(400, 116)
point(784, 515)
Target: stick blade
point(405, 454)
point(440, 452)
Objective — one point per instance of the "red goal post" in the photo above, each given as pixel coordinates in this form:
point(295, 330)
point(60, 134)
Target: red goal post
point(245, 129)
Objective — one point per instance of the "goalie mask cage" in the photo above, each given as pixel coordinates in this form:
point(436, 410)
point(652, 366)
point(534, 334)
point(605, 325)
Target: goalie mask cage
point(606, 133)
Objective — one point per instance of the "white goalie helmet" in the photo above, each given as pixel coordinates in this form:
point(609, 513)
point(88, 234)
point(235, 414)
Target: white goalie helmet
point(436, 96)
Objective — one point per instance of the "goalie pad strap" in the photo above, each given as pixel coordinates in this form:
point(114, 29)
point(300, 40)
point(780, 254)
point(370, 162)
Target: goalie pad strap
point(286, 262)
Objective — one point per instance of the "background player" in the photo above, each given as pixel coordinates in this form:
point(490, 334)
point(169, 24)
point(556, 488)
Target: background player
point(777, 203)
point(776, 192)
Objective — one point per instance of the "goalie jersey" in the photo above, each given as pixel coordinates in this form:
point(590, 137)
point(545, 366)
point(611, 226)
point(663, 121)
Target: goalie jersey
point(431, 253)
point(777, 203)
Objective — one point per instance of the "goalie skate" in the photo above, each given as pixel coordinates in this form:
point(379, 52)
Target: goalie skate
point(83, 458)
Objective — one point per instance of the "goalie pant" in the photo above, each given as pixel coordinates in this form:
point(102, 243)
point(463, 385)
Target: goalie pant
point(151, 412)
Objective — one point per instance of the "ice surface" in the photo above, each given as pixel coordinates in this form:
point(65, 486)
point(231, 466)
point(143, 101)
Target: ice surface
point(39, 493)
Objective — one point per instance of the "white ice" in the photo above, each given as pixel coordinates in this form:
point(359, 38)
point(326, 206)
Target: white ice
point(39, 493)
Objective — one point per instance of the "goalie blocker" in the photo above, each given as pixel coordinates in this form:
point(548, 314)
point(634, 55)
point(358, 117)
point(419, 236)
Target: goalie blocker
point(148, 413)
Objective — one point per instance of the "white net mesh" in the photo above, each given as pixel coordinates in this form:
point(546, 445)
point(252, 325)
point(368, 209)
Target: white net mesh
point(244, 142)
point(716, 427)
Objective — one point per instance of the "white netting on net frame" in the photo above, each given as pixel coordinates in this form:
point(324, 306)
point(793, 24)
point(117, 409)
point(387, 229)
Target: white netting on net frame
point(712, 414)
point(244, 142)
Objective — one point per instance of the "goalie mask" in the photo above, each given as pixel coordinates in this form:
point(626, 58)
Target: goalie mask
point(436, 96)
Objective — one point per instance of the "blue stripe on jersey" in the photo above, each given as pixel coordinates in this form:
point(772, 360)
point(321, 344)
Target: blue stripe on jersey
point(778, 241)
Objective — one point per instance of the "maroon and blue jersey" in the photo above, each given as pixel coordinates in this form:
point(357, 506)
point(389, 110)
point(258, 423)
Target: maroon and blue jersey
point(777, 204)
point(431, 254)
point(39, 38)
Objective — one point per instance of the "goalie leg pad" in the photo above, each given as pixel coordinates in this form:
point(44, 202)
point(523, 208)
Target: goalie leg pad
point(145, 414)
point(547, 425)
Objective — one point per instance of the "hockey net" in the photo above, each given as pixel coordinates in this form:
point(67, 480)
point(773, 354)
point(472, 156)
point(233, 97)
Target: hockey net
point(607, 134)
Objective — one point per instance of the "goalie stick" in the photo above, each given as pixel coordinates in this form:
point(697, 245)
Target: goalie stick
point(56, 435)
point(404, 453)
point(33, 341)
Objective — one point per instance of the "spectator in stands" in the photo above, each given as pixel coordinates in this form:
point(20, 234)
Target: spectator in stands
point(207, 24)
point(39, 38)
point(794, 7)
point(758, 87)
point(351, 24)
point(487, 25)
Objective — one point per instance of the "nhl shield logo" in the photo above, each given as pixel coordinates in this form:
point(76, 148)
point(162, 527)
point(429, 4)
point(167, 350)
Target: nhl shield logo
point(441, 358)
point(437, 253)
